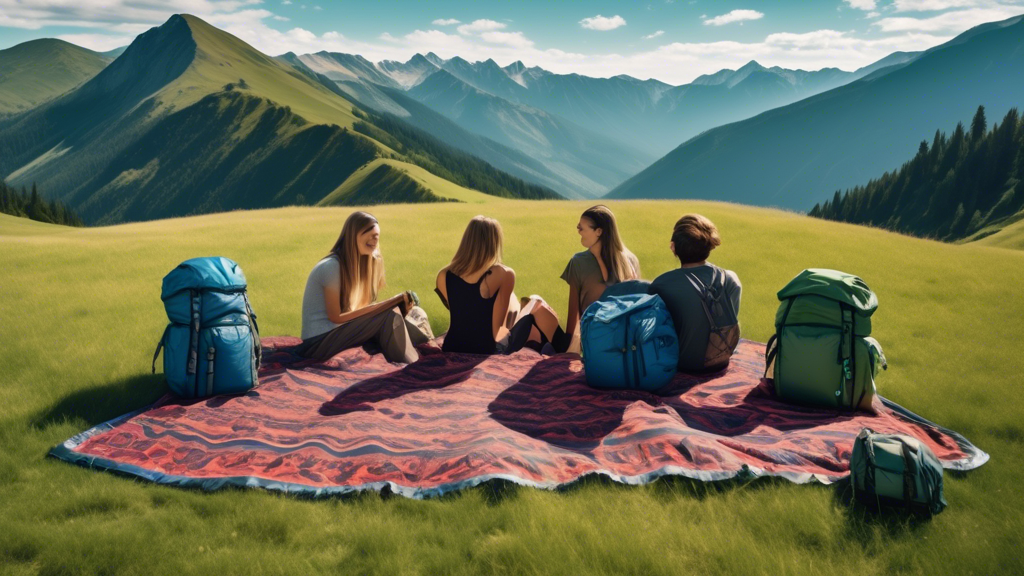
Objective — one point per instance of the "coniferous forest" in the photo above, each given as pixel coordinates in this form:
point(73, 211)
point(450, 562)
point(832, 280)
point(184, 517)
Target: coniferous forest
point(31, 205)
point(952, 189)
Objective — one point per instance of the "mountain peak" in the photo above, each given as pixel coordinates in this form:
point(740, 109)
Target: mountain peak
point(752, 65)
point(434, 59)
point(418, 58)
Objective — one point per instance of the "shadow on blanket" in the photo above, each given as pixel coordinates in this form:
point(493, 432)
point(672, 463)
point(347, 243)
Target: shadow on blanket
point(430, 372)
point(554, 404)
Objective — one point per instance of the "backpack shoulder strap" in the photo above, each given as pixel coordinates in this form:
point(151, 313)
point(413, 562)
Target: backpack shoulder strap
point(704, 295)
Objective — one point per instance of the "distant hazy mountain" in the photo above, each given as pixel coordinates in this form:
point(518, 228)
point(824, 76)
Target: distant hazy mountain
point(649, 116)
point(800, 154)
point(190, 119)
point(37, 71)
point(396, 102)
point(412, 72)
point(587, 162)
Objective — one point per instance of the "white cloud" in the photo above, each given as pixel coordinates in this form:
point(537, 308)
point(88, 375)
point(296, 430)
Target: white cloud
point(446, 22)
point(513, 39)
point(655, 35)
point(97, 42)
point(861, 4)
point(286, 2)
point(734, 16)
point(933, 5)
point(317, 8)
point(952, 22)
point(281, 18)
point(872, 15)
point(601, 23)
point(478, 26)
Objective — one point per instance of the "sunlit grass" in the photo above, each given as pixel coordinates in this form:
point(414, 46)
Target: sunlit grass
point(80, 314)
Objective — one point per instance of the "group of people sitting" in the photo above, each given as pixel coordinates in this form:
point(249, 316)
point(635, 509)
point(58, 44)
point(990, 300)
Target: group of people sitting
point(340, 308)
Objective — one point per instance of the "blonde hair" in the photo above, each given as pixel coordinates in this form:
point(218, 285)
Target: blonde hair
point(362, 276)
point(613, 251)
point(480, 247)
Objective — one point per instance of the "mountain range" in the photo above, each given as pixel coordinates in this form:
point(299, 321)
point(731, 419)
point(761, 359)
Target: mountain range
point(799, 154)
point(190, 119)
point(589, 134)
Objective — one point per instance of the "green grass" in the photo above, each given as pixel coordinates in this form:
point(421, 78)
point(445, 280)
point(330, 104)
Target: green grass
point(1007, 236)
point(433, 184)
point(80, 314)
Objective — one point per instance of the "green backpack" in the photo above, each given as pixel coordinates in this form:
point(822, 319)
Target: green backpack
point(821, 353)
point(889, 469)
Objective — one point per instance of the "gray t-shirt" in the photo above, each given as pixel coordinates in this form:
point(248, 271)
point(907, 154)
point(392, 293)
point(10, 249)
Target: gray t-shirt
point(584, 272)
point(687, 312)
point(326, 273)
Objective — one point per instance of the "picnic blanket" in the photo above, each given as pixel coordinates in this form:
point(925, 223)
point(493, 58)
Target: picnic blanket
point(450, 421)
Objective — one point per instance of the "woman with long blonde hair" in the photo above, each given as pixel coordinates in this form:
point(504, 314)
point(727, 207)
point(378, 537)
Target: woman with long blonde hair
point(605, 262)
point(477, 288)
point(339, 307)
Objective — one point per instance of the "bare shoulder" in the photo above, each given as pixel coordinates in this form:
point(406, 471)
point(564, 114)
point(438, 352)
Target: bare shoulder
point(503, 273)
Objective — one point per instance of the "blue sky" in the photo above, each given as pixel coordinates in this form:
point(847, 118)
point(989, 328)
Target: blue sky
point(672, 40)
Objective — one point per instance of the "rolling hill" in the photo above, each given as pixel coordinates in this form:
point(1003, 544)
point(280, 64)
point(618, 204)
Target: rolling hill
point(37, 71)
point(800, 154)
point(190, 119)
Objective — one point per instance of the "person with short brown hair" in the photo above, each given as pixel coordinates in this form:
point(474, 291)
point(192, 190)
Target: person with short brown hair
point(693, 239)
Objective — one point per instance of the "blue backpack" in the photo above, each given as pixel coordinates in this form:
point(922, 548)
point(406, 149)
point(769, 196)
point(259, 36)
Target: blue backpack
point(629, 342)
point(212, 344)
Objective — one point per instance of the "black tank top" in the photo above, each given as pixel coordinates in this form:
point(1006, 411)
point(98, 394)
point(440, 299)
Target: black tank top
point(472, 316)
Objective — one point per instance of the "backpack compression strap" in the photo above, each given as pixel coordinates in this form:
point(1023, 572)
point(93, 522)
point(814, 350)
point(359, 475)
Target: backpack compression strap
point(159, 346)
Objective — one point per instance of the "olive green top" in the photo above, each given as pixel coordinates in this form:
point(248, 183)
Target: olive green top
point(584, 273)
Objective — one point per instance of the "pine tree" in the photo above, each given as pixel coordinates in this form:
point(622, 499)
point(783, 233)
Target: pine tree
point(978, 126)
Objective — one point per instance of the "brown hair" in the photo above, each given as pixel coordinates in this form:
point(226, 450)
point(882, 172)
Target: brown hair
point(613, 251)
point(362, 277)
point(480, 247)
point(695, 237)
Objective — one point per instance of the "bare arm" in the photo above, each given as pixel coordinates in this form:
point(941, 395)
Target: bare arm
point(332, 299)
point(508, 283)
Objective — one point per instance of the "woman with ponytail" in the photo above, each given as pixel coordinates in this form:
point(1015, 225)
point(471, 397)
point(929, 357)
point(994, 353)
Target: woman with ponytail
point(340, 308)
point(606, 261)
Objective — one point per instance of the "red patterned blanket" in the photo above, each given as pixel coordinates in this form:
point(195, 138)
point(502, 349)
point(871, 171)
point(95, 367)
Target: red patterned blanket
point(454, 420)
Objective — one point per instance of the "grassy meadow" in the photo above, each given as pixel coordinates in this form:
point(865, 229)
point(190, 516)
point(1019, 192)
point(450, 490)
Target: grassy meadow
point(80, 315)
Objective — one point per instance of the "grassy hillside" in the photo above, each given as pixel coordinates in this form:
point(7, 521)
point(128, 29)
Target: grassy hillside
point(800, 154)
point(37, 71)
point(75, 353)
point(395, 178)
point(230, 150)
point(1004, 235)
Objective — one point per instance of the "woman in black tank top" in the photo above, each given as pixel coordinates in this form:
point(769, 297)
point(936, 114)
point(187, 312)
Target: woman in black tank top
point(478, 291)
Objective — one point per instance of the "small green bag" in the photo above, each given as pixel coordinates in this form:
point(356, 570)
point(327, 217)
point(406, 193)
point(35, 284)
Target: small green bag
point(822, 353)
point(894, 470)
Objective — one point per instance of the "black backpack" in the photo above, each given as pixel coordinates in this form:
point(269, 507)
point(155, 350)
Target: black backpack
point(722, 318)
